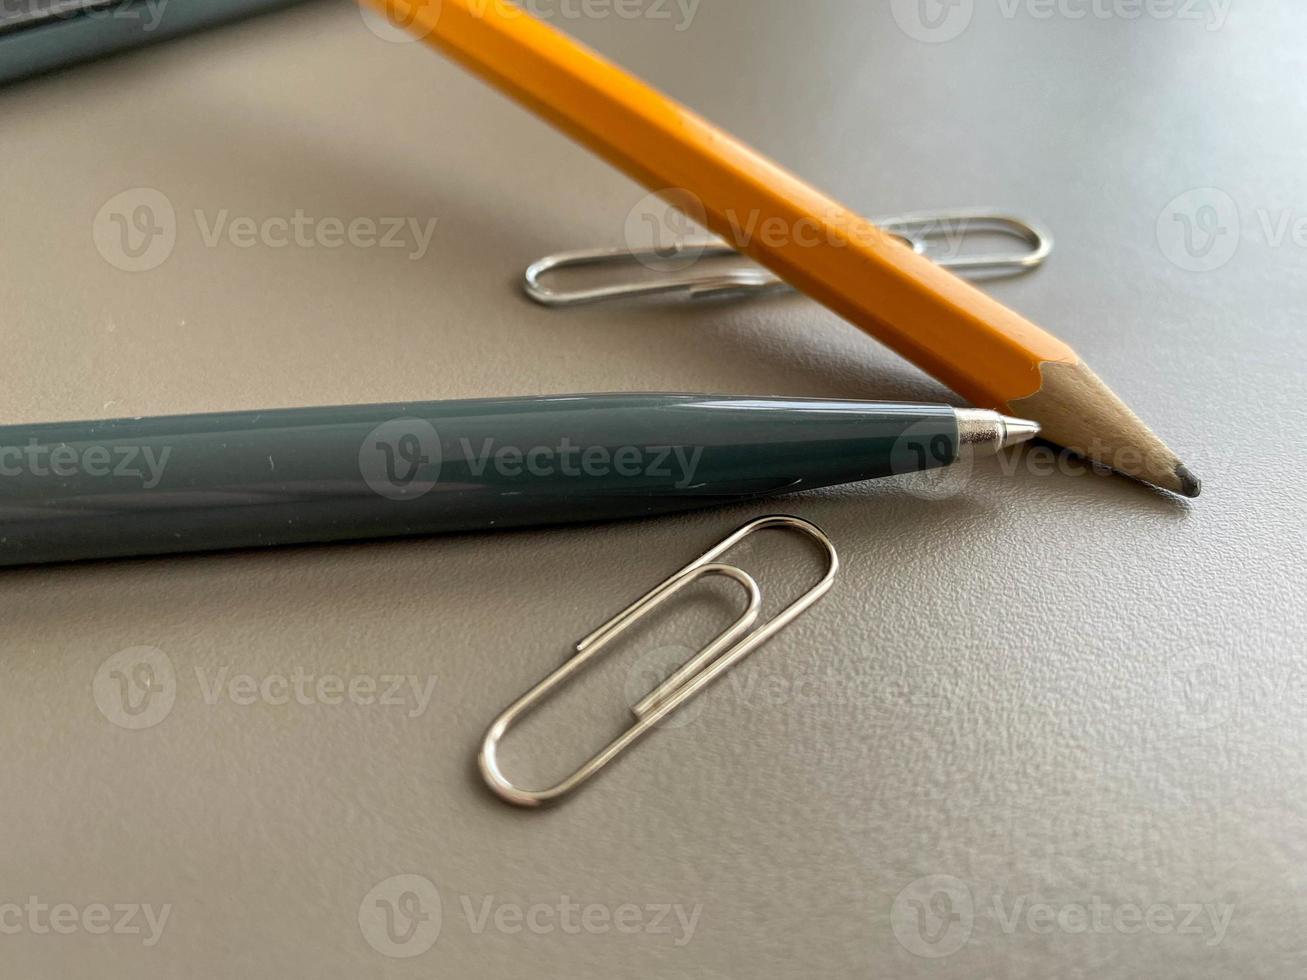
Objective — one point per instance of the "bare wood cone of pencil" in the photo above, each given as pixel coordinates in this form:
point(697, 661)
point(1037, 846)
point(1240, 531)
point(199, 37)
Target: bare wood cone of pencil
point(959, 334)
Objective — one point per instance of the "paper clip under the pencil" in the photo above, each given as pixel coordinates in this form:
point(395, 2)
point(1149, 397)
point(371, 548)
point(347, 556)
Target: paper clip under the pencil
point(719, 656)
point(922, 231)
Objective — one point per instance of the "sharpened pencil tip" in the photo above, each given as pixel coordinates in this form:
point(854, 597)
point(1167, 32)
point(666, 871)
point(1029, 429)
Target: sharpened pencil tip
point(1190, 485)
point(1082, 414)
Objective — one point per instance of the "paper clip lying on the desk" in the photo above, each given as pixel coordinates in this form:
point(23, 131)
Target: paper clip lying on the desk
point(921, 231)
point(719, 656)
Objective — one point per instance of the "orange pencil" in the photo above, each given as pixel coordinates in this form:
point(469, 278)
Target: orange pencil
point(965, 338)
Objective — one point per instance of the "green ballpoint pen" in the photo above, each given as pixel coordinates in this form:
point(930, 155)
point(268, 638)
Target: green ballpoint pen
point(149, 486)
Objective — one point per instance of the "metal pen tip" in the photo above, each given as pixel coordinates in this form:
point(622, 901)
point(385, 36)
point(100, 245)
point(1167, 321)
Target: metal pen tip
point(983, 432)
point(1017, 431)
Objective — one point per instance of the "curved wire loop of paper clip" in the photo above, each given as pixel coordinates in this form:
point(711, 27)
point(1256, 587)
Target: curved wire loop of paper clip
point(739, 640)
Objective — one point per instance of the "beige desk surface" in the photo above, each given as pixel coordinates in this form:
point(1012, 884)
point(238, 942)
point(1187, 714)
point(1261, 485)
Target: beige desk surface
point(1081, 702)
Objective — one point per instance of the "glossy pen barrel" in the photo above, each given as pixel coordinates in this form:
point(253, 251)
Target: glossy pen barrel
point(81, 490)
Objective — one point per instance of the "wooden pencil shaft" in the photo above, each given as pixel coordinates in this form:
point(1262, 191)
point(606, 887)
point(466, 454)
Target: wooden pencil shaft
point(933, 318)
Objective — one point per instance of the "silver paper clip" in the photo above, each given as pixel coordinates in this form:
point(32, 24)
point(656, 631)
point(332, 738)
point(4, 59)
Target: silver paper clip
point(738, 641)
point(922, 231)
